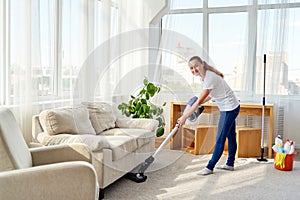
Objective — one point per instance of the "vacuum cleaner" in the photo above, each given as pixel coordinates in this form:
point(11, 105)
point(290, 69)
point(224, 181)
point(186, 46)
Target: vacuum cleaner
point(137, 174)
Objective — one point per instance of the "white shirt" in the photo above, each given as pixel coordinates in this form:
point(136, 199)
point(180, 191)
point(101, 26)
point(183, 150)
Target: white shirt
point(220, 93)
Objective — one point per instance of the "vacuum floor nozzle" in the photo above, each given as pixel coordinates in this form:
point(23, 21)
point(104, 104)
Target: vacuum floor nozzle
point(136, 177)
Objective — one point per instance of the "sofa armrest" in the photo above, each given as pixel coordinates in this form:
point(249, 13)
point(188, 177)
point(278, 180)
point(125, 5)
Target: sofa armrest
point(70, 180)
point(36, 127)
point(60, 153)
point(148, 124)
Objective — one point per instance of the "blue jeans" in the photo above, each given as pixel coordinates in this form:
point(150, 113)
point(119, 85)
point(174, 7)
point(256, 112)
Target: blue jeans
point(226, 129)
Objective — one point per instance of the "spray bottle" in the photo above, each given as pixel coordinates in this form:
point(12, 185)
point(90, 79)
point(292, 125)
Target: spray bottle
point(278, 140)
point(278, 144)
point(287, 146)
point(292, 149)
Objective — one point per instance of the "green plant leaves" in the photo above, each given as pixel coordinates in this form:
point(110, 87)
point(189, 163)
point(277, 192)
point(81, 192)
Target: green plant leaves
point(160, 131)
point(146, 82)
point(160, 121)
point(151, 89)
point(140, 106)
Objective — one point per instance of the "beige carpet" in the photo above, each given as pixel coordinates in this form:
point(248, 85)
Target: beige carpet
point(173, 176)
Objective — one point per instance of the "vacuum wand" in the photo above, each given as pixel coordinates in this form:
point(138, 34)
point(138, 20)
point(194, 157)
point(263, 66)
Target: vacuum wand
point(137, 174)
point(166, 140)
point(140, 169)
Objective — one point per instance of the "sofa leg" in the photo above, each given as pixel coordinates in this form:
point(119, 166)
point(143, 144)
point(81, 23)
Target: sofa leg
point(101, 193)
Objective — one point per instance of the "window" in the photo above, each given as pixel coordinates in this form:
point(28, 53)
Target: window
point(228, 45)
point(276, 1)
point(43, 46)
point(74, 44)
point(228, 3)
point(190, 26)
point(31, 47)
point(44, 68)
point(282, 64)
point(236, 35)
point(179, 4)
point(293, 48)
point(3, 53)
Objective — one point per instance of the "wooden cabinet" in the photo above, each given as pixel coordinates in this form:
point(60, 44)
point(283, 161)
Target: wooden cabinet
point(177, 109)
point(248, 142)
point(198, 139)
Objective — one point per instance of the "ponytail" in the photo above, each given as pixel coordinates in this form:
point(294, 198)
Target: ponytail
point(207, 66)
point(210, 68)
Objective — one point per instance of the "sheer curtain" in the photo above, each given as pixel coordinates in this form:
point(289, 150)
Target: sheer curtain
point(277, 29)
point(24, 61)
point(236, 37)
point(125, 57)
point(46, 43)
point(47, 49)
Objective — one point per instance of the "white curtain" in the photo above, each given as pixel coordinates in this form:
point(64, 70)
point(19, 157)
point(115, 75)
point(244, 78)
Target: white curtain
point(235, 41)
point(49, 52)
point(46, 43)
point(24, 57)
point(125, 57)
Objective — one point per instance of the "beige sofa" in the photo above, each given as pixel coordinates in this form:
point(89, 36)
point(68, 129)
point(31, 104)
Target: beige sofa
point(118, 144)
point(57, 172)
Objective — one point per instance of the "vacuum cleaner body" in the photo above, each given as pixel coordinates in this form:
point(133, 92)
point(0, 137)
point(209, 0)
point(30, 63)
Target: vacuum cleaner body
point(137, 174)
point(193, 117)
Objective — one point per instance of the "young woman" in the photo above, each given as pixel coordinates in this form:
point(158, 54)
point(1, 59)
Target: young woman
point(216, 89)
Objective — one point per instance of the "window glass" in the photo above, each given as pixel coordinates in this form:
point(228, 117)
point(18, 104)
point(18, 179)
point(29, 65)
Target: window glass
point(276, 1)
point(2, 54)
point(189, 25)
point(180, 4)
point(293, 49)
point(282, 68)
point(16, 69)
point(222, 3)
point(33, 32)
point(73, 44)
point(228, 45)
point(44, 68)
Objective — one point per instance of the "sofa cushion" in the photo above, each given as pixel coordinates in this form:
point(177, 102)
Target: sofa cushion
point(101, 115)
point(66, 120)
point(141, 136)
point(121, 145)
point(127, 122)
point(120, 141)
point(95, 143)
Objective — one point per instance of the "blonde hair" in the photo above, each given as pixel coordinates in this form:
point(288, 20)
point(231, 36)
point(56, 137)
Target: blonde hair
point(207, 66)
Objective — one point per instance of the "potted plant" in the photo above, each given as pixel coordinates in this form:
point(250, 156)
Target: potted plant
point(140, 106)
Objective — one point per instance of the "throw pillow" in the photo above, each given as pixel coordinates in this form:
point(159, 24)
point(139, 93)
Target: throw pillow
point(101, 115)
point(66, 120)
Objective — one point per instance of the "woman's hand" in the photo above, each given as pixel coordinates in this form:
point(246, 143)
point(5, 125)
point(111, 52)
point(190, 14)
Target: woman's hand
point(181, 121)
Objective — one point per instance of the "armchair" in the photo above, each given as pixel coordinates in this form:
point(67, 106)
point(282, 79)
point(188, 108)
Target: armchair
point(56, 172)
